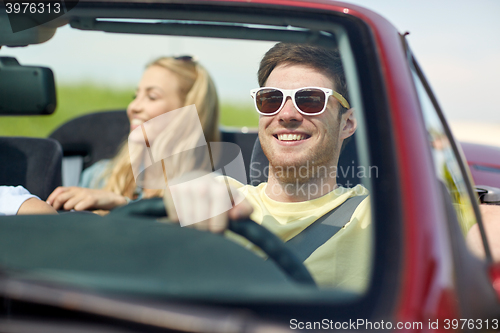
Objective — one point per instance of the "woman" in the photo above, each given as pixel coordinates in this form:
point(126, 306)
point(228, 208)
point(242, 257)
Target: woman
point(167, 84)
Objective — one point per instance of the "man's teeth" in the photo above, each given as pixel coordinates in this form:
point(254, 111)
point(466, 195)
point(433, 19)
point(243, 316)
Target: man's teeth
point(291, 137)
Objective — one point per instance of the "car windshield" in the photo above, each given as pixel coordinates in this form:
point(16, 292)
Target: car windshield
point(141, 255)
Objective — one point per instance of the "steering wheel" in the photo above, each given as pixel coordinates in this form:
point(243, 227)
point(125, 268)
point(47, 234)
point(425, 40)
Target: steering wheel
point(254, 232)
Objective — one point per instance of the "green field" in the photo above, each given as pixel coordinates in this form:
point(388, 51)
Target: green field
point(78, 99)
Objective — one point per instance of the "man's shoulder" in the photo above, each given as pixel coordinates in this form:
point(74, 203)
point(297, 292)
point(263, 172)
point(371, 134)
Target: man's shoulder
point(361, 197)
point(238, 184)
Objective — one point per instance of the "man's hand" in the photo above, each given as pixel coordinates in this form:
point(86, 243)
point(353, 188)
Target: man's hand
point(79, 198)
point(491, 219)
point(202, 200)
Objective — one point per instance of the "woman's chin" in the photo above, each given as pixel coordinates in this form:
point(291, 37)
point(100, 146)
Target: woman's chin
point(136, 134)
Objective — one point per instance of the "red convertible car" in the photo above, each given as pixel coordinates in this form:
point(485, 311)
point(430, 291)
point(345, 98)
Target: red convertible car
point(127, 271)
point(484, 163)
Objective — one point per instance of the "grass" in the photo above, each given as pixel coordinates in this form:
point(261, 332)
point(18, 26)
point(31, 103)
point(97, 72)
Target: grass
point(232, 114)
point(74, 100)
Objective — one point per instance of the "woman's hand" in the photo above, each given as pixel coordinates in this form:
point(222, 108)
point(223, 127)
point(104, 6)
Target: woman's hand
point(79, 198)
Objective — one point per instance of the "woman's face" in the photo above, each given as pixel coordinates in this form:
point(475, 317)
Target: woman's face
point(157, 93)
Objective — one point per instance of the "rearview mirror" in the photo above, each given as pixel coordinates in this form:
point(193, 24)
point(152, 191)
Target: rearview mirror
point(26, 90)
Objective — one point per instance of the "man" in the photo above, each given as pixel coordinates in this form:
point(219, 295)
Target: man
point(301, 134)
point(16, 200)
point(491, 221)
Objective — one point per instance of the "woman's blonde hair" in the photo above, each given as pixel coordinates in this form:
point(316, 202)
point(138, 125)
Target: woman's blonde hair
point(195, 87)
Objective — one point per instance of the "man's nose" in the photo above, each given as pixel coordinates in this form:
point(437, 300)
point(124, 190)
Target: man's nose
point(289, 112)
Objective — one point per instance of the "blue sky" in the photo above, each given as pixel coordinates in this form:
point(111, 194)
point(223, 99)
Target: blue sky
point(457, 43)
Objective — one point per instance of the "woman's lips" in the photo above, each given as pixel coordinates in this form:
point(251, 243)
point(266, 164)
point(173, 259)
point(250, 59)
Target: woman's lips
point(134, 123)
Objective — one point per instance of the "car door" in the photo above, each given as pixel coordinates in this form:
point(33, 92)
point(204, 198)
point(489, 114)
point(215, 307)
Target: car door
point(477, 301)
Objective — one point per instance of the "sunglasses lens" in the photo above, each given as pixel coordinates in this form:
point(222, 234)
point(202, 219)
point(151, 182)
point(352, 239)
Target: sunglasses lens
point(310, 100)
point(269, 100)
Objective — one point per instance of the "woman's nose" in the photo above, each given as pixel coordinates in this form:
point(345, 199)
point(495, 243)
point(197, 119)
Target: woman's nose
point(136, 105)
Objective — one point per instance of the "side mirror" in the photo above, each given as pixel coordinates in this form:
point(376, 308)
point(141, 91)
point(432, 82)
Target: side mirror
point(488, 194)
point(26, 90)
point(491, 195)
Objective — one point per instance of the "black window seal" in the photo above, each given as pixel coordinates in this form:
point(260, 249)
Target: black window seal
point(454, 146)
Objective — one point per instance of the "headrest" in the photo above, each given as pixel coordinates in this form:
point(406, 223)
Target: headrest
point(34, 163)
point(259, 165)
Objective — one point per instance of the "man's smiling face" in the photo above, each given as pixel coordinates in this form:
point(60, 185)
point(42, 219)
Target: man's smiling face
point(291, 139)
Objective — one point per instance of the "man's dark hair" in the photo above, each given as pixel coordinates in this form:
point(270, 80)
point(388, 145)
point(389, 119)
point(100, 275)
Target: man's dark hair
point(322, 59)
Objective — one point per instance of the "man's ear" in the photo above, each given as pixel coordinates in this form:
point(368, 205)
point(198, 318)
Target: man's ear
point(348, 124)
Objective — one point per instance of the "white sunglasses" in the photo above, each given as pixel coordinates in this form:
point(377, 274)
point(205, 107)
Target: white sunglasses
point(309, 101)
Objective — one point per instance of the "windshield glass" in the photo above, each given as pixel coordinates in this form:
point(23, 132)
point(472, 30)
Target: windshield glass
point(184, 104)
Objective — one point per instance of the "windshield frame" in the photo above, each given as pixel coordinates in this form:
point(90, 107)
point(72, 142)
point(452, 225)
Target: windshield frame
point(380, 295)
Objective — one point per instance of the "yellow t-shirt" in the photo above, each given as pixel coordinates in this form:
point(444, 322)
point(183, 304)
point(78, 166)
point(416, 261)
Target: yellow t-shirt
point(341, 262)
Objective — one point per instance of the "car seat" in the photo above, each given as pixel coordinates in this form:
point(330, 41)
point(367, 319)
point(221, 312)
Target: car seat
point(34, 163)
point(88, 139)
point(245, 140)
point(95, 136)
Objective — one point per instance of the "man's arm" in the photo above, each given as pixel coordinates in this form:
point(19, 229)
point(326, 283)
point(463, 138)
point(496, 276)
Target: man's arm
point(35, 206)
point(491, 220)
point(18, 200)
